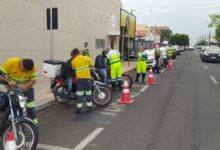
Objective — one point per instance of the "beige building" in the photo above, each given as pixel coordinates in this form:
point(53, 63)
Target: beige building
point(23, 31)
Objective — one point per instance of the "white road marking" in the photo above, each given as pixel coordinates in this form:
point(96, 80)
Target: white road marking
point(108, 113)
point(214, 80)
point(206, 67)
point(144, 88)
point(88, 139)
point(135, 85)
point(113, 109)
point(51, 147)
point(162, 71)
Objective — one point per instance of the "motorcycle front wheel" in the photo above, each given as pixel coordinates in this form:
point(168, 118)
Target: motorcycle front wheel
point(102, 96)
point(27, 136)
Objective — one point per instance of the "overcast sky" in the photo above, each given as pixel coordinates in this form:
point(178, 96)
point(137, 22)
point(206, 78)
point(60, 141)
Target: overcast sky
point(182, 16)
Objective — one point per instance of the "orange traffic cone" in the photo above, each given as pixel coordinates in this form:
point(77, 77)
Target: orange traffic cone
point(151, 79)
point(126, 97)
point(10, 141)
point(170, 65)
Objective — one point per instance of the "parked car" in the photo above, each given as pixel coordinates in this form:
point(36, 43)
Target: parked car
point(151, 62)
point(163, 51)
point(181, 48)
point(191, 48)
point(177, 50)
point(211, 54)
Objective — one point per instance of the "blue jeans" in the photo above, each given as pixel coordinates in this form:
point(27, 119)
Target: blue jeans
point(104, 74)
point(69, 83)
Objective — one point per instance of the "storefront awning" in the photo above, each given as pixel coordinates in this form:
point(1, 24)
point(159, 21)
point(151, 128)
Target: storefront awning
point(114, 33)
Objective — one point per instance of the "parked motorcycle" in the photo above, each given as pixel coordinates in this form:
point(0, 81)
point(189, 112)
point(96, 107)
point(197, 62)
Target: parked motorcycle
point(102, 95)
point(12, 104)
point(108, 70)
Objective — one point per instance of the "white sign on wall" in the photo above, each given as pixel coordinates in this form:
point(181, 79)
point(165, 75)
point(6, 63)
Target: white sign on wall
point(113, 21)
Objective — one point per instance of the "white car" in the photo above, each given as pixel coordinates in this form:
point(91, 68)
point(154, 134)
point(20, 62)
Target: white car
point(151, 62)
point(163, 51)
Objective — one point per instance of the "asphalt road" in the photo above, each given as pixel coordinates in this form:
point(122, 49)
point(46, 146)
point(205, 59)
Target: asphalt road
point(180, 112)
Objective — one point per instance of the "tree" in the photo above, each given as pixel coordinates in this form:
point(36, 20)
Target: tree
point(215, 20)
point(179, 39)
point(202, 43)
point(217, 33)
point(165, 34)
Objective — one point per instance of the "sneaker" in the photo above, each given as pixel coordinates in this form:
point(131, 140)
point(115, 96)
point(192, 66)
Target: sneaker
point(78, 110)
point(89, 109)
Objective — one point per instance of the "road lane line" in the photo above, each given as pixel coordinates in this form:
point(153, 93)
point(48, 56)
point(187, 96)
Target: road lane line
point(136, 85)
point(206, 67)
point(162, 71)
point(144, 88)
point(88, 139)
point(214, 80)
point(108, 113)
point(51, 147)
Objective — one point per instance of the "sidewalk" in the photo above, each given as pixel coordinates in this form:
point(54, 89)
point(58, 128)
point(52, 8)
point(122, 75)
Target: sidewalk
point(43, 96)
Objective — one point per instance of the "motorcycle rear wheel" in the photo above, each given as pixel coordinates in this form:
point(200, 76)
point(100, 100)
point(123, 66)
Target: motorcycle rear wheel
point(128, 79)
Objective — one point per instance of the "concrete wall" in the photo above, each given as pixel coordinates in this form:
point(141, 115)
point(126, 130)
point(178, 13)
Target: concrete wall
point(23, 30)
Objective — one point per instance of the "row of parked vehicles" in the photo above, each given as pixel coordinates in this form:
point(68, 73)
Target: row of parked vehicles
point(177, 50)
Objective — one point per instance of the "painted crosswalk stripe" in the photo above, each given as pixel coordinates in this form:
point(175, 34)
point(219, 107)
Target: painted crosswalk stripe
point(206, 67)
point(214, 80)
point(88, 139)
point(51, 147)
point(144, 88)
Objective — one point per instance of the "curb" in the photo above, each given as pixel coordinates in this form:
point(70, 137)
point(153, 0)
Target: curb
point(129, 70)
point(43, 105)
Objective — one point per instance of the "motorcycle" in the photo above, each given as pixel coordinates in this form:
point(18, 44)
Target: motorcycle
point(12, 104)
point(125, 77)
point(102, 95)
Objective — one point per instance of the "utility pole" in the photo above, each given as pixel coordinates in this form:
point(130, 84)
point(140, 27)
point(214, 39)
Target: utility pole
point(209, 38)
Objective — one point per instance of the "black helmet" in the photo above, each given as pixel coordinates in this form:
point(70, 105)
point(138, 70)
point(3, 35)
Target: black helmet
point(104, 53)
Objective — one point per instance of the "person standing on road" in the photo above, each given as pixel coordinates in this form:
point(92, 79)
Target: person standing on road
point(70, 74)
point(85, 50)
point(115, 66)
point(22, 73)
point(141, 65)
point(157, 58)
point(169, 53)
point(81, 65)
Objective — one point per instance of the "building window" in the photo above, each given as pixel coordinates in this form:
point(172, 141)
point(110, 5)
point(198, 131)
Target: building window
point(99, 43)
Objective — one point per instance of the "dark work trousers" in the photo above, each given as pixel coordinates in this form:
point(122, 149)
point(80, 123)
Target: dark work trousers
point(30, 105)
point(84, 87)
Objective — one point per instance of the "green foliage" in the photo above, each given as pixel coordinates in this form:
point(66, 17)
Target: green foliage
point(165, 34)
point(179, 39)
point(217, 33)
point(215, 20)
point(202, 43)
